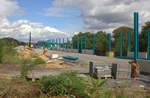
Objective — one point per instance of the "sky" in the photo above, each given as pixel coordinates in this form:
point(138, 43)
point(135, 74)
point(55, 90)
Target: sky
point(49, 19)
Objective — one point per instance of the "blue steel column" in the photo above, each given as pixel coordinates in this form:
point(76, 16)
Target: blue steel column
point(59, 43)
point(148, 57)
point(78, 44)
point(72, 42)
point(56, 43)
point(63, 43)
point(81, 42)
point(93, 44)
point(129, 45)
point(67, 43)
point(136, 33)
point(85, 41)
point(109, 42)
point(50, 44)
point(47, 43)
point(121, 42)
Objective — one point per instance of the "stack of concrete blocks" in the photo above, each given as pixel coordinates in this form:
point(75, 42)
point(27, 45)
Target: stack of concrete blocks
point(121, 70)
point(102, 70)
point(87, 51)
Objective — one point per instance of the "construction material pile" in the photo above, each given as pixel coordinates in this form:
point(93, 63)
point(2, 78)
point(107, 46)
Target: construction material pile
point(103, 71)
point(121, 71)
point(29, 53)
point(115, 70)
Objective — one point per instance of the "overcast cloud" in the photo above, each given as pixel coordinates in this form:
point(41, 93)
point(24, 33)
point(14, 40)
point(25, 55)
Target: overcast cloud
point(108, 14)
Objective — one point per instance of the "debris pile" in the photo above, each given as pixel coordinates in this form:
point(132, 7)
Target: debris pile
point(51, 62)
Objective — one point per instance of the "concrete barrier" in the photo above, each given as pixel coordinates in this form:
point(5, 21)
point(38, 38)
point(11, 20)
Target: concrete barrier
point(74, 51)
point(141, 54)
point(87, 51)
point(144, 66)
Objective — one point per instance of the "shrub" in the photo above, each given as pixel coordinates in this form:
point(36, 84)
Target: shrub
point(63, 84)
point(1, 51)
point(94, 89)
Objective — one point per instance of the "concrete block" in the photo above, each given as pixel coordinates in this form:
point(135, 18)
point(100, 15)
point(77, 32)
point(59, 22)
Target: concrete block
point(144, 66)
point(141, 54)
point(122, 75)
point(121, 70)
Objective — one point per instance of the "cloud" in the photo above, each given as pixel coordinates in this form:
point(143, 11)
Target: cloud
point(61, 12)
point(108, 14)
point(20, 30)
point(9, 8)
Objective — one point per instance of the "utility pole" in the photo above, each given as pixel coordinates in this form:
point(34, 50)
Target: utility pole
point(30, 39)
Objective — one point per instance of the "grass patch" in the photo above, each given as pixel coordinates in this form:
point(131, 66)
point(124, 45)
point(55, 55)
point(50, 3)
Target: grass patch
point(19, 88)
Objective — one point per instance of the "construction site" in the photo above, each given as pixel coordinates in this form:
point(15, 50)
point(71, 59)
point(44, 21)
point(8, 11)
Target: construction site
point(74, 49)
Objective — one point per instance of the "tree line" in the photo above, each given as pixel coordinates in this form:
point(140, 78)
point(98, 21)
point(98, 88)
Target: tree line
point(101, 40)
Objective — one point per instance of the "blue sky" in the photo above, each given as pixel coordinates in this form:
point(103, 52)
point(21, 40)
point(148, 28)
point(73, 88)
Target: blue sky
point(48, 19)
point(35, 11)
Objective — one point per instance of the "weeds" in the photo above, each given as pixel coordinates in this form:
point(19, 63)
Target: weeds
point(28, 65)
point(95, 89)
point(64, 84)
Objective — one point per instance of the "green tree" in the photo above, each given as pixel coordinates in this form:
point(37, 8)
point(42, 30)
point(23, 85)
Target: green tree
point(143, 37)
point(116, 42)
point(100, 41)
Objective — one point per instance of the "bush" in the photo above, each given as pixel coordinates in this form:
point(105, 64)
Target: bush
point(63, 84)
point(7, 54)
point(1, 51)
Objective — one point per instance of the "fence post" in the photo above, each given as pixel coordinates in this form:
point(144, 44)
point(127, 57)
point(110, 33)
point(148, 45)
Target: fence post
point(121, 42)
point(136, 34)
